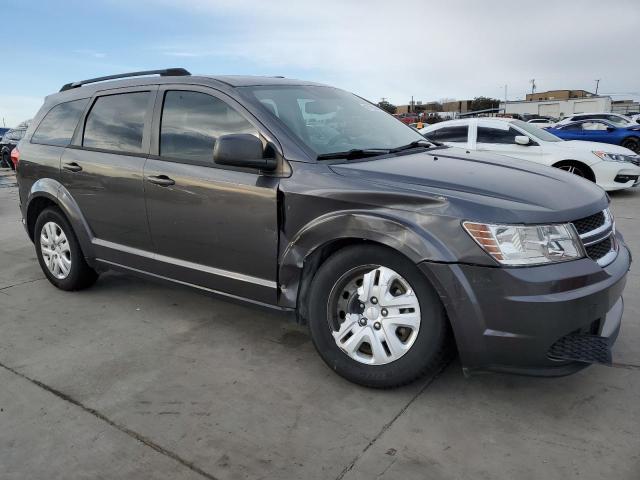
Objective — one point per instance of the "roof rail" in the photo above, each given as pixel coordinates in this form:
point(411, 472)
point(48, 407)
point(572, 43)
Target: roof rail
point(167, 72)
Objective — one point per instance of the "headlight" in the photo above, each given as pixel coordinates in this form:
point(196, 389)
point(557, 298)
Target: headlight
point(527, 244)
point(617, 157)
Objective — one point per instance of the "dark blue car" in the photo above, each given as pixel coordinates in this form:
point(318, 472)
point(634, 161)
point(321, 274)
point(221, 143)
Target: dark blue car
point(600, 131)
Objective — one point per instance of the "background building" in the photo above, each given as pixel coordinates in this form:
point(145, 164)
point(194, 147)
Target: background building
point(559, 108)
point(558, 95)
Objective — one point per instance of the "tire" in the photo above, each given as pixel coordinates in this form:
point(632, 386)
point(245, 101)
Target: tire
point(6, 160)
point(576, 169)
point(51, 229)
point(423, 350)
point(632, 144)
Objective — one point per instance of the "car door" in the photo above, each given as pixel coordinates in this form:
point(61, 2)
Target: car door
point(499, 137)
point(102, 170)
point(212, 226)
point(571, 131)
point(599, 131)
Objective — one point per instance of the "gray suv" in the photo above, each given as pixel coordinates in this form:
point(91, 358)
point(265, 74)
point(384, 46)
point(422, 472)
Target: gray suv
point(307, 199)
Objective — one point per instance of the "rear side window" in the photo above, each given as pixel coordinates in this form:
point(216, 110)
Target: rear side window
point(191, 123)
point(449, 134)
point(497, 135)
point(116, 122)
point(58, 125)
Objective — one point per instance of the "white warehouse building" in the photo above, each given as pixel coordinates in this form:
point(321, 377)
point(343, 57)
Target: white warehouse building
point(558, 108)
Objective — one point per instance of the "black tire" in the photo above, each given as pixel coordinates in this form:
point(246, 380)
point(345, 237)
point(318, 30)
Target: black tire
point(577, 169)
point(80, 274)
point(632, 144)
point(431, 348)
point(6, 160)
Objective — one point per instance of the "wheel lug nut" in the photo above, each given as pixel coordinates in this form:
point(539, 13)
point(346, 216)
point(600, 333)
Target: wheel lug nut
point(362, 322)
point(374, 300)
point(384, 312)
point(362, 305)
point(377, 326)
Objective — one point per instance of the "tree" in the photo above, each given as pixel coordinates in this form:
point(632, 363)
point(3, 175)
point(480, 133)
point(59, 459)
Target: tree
point(386, 106)
point(484, 103)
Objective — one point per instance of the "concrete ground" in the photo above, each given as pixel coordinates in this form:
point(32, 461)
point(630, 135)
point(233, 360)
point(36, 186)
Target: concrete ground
point(135, 379)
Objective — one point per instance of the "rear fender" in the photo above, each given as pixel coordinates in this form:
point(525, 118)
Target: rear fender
point(60, 196)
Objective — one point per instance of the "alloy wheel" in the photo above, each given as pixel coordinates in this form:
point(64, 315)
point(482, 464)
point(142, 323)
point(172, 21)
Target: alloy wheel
point(572, 169)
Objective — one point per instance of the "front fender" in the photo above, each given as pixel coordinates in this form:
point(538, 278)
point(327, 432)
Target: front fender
point(56, 192)
point(415, 243)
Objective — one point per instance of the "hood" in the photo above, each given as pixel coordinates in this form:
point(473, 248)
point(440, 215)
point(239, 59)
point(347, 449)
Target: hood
point(593, 146)
point(496, 188)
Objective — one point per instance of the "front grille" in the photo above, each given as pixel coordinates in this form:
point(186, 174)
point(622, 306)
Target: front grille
point(599, 250)
point(596, 233)
point(582, 348)
point(589, 223)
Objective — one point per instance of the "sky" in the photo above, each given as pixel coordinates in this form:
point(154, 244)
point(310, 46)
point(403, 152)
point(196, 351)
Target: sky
point(431, 49)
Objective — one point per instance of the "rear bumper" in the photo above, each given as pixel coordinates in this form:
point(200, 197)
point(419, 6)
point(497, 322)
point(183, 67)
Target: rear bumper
point(507, 319)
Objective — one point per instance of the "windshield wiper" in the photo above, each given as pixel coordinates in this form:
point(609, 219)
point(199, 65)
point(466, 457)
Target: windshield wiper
point(417, 143)
point(354, 154)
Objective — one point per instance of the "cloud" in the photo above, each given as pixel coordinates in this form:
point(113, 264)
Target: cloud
point(90, 53)
point(429, 49)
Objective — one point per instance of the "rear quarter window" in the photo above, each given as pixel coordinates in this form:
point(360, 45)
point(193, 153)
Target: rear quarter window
point(58, 125)
point(456, 133)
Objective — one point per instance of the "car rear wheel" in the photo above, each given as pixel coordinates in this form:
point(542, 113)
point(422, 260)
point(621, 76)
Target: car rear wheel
point(375, 319)
point(6, 160)
point(59, 252)
point(632, 144)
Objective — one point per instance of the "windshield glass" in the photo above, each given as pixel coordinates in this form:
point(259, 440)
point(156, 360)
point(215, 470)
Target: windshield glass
point(536, 132)
point(329, 120)
point(620, 121)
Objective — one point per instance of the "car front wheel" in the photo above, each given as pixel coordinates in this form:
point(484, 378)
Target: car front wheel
point(375, 319)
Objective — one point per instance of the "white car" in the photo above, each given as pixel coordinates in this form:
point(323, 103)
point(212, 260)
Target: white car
point(610, 166)
point(541, 122)
point(615, 118)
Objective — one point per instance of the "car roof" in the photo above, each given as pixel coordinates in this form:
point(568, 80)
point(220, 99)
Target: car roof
point(223, 82)
point(598, 113)
point(466, 121)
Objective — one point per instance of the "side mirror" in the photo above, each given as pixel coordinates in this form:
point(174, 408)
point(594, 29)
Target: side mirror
point(241, 150)
point(522, 140)
point(611, 129)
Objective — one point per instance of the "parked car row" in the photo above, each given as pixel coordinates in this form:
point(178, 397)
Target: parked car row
point(9, 141)
point(610, 166)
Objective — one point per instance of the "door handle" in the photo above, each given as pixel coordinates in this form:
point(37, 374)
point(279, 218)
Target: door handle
point(72, 167)
point(161, 180)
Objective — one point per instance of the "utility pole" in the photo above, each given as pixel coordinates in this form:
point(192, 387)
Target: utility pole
point(505, 99)
point(533, 85)
point(597, 85)
point(411, 109)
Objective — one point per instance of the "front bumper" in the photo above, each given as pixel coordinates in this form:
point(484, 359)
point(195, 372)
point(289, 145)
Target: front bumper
point(616, 175)
point(507, 319)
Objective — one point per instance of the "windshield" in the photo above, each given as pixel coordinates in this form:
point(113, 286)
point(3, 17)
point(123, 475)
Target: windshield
point(620, 121)
point(536, 132)
point(329, 120)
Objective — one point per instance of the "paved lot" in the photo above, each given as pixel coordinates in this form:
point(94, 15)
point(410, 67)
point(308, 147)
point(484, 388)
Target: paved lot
point(135, 379)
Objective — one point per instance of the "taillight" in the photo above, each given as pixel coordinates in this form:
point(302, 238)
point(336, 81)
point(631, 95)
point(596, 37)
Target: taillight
point(15, 157)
